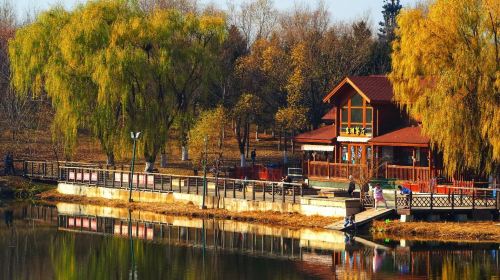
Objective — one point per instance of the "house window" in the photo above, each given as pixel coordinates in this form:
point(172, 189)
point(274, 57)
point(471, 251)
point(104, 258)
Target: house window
point(356, 117)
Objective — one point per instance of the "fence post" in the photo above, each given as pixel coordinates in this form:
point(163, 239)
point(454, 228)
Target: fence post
point(473, 199)
point(196, 183)
point(432, 198)
point(180, 185)
point(154, 182)
point(171, 183)
point(188, 184)
point(264, 192)
point(161, 182)
point(283, 192)
point(234, 188)
point(453, 200)
point(395, 200)
point(113, 178)
point(253, 190)
point(411, 200)
point(293, 191)
point(244, 188)
point(225, 188)
point(272, 190)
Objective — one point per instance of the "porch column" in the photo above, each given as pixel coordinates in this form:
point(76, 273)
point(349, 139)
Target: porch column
point(413, 159)
point(430, 163)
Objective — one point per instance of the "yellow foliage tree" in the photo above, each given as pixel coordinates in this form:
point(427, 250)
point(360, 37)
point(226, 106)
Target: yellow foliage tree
point(446, 73)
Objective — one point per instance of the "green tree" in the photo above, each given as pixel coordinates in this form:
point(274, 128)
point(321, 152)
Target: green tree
point(209, 124)
point(243, 114)
point(446, 73)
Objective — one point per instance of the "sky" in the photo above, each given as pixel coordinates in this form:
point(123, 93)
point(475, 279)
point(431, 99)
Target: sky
point(340, 10)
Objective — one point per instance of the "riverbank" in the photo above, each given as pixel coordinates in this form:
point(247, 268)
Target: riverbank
point(20, 187)
point(438, 231)
point(291, 220)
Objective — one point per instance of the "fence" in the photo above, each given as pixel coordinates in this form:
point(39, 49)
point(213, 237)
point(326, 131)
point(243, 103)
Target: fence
point(254, 190)
point(324, 169)
point(456, 199)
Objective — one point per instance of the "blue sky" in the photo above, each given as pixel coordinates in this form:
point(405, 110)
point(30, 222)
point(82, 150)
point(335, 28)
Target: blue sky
point(343, 10)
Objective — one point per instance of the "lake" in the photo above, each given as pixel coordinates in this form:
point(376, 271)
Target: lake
point(82, 242)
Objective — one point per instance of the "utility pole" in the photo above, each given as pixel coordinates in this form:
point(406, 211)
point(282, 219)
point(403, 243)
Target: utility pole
point(134, 136)
point(204, 162)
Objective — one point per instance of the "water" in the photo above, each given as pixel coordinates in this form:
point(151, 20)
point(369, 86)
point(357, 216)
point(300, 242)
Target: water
point(81, 242)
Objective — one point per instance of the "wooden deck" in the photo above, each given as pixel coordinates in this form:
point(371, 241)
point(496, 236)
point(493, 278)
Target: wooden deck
point(363, 218)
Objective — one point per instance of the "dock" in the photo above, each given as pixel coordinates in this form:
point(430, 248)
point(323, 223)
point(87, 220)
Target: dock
point(363, 218)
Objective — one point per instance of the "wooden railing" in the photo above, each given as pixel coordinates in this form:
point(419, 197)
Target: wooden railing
point(327, 170)
point(412, 173)
point(456, 199)
point(156, 182)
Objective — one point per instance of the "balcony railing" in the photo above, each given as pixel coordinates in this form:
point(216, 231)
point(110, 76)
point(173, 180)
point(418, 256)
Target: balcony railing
point(328, 170)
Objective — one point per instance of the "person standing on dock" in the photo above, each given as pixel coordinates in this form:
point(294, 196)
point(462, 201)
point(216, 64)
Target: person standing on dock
point(379, 196)
point(352, 186)
point(253, 155)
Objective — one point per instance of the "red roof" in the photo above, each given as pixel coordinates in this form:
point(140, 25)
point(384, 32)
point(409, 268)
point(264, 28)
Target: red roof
point(376, 89)
point(408, 136)
point(330, 115)
point(325, 134)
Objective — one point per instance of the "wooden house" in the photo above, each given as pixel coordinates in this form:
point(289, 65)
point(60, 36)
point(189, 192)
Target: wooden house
point(366, 135)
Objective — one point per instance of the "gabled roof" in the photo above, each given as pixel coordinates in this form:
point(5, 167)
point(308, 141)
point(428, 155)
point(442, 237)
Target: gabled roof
point(407, 136)
point(330, 115)
point(325, 134)
point(375, 89)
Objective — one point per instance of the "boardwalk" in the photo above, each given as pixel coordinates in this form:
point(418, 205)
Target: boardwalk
point(363, 218)
point(90, 175)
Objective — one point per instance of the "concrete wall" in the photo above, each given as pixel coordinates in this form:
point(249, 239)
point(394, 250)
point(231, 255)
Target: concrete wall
point(338, 207)
point(317, 238)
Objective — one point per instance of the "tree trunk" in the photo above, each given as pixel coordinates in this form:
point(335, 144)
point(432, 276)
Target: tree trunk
point(110, 159)
point(248, 138)
point(184, 153)
point(285, 157)
point(163, 159)
point(279, 142)
point(149, 166)
point(242, 160)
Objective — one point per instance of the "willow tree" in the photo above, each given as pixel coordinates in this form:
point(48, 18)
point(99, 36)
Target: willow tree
point(194, 45)
point(37, 66)
point(58, 54)
point(446, 72)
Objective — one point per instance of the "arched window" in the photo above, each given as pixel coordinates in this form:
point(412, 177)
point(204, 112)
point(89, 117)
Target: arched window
point(356, 117)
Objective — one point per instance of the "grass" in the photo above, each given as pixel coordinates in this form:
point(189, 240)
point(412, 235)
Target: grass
point(444, 231)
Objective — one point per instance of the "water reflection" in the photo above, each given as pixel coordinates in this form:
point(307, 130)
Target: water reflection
point(40, 243)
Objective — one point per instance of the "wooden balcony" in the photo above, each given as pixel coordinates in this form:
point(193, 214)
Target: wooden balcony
point(329, 170)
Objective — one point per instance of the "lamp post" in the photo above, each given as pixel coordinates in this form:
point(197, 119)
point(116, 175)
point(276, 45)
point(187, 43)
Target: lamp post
point(204, 162)
point(134, 136)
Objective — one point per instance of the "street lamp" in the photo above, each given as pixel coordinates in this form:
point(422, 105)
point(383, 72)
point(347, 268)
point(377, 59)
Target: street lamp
point(204, 162)
point(134, 136)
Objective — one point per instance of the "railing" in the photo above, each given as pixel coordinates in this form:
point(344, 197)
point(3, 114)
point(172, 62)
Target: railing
point(327, 170)
point(413, 173)
point(254, 190)
point(48, 170)
point(456, 199)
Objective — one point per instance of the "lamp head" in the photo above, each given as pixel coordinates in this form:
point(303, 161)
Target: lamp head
point(135, 135)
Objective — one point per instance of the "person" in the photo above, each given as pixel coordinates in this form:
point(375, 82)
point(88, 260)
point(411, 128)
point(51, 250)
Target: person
point(9, 164)
point(352, 186)
point(403, 190)
point(349, 221)
point(253, 155)
point(379, 196)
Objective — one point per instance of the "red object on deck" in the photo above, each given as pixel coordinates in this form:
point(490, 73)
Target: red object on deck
point(259, 172)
